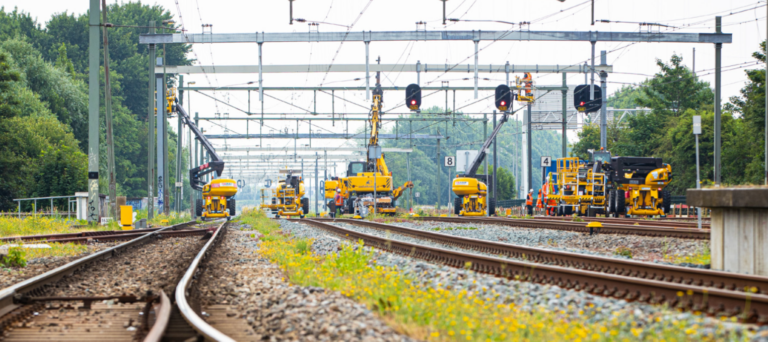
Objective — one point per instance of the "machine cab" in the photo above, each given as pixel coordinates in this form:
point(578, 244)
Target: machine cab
point(354, 168)
point(601, 156)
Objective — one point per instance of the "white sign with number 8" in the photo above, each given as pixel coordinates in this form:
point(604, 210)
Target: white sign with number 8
point(450, 161)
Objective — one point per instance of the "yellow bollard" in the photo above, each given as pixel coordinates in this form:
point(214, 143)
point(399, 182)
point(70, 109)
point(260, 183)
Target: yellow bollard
point(126, 217)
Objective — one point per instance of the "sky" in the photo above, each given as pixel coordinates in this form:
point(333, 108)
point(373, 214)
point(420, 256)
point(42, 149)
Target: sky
point(632, 63)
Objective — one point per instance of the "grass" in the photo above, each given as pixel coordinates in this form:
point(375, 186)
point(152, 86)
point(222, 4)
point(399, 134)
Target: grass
point(701, 256)
point(14, 226)
point(441, 313)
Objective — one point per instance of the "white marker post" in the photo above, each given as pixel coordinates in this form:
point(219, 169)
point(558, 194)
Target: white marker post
point(696, 133)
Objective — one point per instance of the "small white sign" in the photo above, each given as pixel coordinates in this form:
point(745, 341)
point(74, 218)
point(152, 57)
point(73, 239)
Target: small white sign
point(546, 161)
point(697, 124)
point(417, 194)
point(464, 159)
point(179, 184)
point(450, 161)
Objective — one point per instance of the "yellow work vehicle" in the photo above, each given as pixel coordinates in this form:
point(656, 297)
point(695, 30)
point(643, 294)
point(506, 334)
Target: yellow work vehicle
point(471, 188)
point(288, 200)
point(217, 196)
point(577, 187)
point(368, 184)
point(217, 201)
point(637, 186)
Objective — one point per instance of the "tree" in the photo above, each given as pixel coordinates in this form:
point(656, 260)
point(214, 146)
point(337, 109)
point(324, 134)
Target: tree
point(674, 89)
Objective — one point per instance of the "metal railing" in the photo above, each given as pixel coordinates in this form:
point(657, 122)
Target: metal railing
point(51, 198)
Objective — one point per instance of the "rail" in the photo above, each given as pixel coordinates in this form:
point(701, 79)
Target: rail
point(197, 323)
point(750, 306)
point(36, 283)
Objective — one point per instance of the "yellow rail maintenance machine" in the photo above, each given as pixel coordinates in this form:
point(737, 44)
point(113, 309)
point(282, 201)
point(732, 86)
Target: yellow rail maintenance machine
point(368, 185)
point(471, 188)
point(578, 187)
point(217, 200)
point(288, 200)
point(637, 186)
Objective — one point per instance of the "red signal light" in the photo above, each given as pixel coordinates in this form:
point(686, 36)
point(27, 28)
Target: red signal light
point(503, 103)
point(413, 102)
point(582, 103)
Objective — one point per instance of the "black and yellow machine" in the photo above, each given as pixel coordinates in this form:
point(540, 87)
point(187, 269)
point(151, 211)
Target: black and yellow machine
point(217, 197)
point(471, 188)
point(637, 186)
point(368, 186)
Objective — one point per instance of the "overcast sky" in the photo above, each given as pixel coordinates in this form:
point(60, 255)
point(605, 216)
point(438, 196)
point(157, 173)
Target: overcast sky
point(631, 64)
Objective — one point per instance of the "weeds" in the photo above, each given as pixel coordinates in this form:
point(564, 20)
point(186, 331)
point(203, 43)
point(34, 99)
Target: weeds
point(623, 251)
point(16, 258)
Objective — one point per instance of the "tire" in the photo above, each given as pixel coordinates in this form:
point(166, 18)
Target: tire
point(231, 206)
point(199, 207)
point(666, 204)
point(491, 207)
point(457, 203)
point(305, 206)
point(621, 204)
point(568, 211)
point(351, 205)
point(611, 203)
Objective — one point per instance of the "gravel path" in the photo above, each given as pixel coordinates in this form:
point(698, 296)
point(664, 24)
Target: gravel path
point(528, 295)
point(643, 248)
point(38, 266)
point(257, 291)
point(150, 267)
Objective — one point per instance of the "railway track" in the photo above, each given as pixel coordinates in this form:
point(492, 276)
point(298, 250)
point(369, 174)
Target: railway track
point(99, 236)
point(707, 291)
point(607, 228)
point(611, 220)
point(28, 311)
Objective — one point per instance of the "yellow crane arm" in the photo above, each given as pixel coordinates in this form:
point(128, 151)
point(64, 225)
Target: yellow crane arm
point(400, 190)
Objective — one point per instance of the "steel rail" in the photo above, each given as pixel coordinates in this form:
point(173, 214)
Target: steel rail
point(53, 237)
point(163, 315)
point(37, 283)
point(685, 233)
point(112, 236)
point(630, 268)
point(611, 220)
point(682, 296)
point(196, 322)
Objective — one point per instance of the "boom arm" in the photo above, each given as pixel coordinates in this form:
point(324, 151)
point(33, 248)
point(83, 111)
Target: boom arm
point(216, 164)
point(481, 156)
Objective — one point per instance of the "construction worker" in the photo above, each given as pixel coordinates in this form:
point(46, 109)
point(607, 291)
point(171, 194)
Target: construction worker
point(529, 203)
point(528, 84)
point(338, 202)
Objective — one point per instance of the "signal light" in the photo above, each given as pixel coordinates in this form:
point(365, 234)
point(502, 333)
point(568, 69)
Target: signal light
point(413, 96)
point(581, 99)
point(503, 97)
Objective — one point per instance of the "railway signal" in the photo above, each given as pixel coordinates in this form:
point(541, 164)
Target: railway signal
point(582, 102)
point(413, 96)
point(503, 97)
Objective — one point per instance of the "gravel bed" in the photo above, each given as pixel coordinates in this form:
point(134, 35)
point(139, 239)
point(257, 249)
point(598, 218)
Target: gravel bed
point(150, 267)
point(643, 248)
point(257, 290)
point(527, 295)
point(38, 266)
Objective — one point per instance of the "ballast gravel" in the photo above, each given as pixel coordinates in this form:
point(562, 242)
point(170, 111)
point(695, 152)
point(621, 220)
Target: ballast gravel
point(152, 266)
point(527, 295)
point(642, 248)
point(37, 266)
point(257, 291)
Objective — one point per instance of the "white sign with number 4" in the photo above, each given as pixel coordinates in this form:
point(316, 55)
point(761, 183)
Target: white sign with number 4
point(546, 161)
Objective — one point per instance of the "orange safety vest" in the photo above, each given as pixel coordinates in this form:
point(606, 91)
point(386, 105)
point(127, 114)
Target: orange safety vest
point(339, 200)
point(529, 199)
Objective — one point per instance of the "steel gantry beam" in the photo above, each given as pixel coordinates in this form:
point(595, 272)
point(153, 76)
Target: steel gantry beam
point(321, 136)
point(304, 149)
point(290, 157)
point(393, 36)
point(418, 67)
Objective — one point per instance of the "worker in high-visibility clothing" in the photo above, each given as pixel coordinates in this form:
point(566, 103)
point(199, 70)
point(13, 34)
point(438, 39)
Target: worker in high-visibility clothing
point(528, 81)
point(339, 202)
point(529, 203)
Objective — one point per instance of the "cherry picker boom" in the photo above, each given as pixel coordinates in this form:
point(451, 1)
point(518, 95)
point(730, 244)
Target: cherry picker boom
point(217, 196)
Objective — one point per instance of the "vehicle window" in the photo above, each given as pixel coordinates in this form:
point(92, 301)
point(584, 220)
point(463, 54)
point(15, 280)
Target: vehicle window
point(357, 168)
